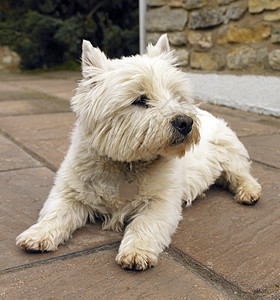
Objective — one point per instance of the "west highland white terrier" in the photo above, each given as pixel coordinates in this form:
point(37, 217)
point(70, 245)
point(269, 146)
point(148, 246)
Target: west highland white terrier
point(140, 148)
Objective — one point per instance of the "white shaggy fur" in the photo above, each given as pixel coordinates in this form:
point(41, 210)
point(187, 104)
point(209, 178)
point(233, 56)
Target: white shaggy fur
point(114, 136)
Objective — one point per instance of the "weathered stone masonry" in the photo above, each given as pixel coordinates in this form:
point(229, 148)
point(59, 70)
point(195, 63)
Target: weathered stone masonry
point(219, 35)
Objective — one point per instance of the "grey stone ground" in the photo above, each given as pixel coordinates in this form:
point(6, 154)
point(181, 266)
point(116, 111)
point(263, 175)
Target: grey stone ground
point(221, 250)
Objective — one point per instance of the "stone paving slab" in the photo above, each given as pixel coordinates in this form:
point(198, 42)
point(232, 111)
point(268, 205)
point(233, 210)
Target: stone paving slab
point(244, 123)
point(59, 84)
point(57, 90)
point(9, 90)
point(23, 193)
point(97, 276)
point(10, 93)
point(47, 135)
point(33, 106)
point(51, 83)
point(264, 149)
point(244, 127)
point(13, 157)
point(51, 150)
point(240, 243)
point(260, 134)
point(273, 296)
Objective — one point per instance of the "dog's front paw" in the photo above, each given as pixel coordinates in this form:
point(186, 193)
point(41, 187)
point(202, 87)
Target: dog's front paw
point(249, 193)
point(136, 259)
point(36, 239)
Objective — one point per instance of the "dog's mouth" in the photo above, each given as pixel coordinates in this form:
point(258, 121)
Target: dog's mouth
point(181, 140)
point(178, 141)
point(178, 138)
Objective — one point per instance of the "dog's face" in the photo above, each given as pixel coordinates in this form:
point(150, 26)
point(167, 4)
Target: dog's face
point(135, 108)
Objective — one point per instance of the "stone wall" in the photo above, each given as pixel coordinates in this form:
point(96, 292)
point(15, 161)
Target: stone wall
point(229, 36)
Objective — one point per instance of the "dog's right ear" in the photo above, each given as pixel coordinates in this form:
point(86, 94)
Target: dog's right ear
point(162, 47)
point(92, 58)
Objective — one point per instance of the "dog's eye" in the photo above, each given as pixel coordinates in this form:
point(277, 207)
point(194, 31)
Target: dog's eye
point(141, 101)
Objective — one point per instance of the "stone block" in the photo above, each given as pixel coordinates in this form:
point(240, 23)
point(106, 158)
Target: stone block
point(203, 39)
point(152, 37)
point(240, 34)
point(274, 59)
point(234, 12)
point(207, 17)
point(193, 4)
point(176, 3)
point(257, 6)
point(224, 2)
point(275, 36)
point(154, 3)
point(165, 19)
point(183, 56)
point(244, 57)
point(177, 38)
point(206, 61)
point(271, 17)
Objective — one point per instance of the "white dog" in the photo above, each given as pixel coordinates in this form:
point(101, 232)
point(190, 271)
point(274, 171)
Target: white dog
point(139, 149)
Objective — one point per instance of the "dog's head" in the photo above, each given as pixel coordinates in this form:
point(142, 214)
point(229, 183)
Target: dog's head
point(135, 108)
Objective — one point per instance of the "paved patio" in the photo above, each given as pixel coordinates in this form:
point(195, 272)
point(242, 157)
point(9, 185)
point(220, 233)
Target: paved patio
point(221, 250)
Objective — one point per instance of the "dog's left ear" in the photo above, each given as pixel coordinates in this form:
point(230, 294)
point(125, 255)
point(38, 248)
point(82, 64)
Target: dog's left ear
point(161, 47)
point(92, 58)
point(163, 44)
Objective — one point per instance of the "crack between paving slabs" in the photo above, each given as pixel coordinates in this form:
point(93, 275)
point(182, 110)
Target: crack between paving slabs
point(213, 279)
point(36, 113)
point(257, 135)
point(45, 95)
point(88, 251)
point(265, 165)
point(23, 168)
point(29, 151)
point(186, 261)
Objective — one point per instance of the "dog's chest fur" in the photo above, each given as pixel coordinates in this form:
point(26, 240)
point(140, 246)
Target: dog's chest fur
point(100, 180)
point(100, 183)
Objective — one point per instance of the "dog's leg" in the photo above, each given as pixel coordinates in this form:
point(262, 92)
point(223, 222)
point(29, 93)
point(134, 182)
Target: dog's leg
point(236, 170)
point(148, 234)
point(60, 216)
point(241, 183)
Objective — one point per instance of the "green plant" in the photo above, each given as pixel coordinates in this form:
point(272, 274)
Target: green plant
point(49, 33)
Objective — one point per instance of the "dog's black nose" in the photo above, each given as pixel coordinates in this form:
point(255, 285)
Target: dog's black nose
point(183, 124)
